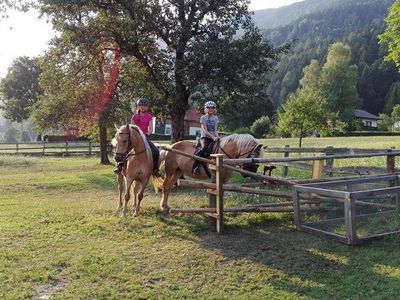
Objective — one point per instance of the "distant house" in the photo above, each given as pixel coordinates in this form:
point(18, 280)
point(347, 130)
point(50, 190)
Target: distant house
point(191, 124)
point(369, 120)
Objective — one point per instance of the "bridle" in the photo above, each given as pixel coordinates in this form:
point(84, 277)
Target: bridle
point(123, 157)
point(252, 167)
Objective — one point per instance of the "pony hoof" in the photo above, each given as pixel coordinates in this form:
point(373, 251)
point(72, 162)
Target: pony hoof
point(123, 214)
point(135, 214)
point(165, 213)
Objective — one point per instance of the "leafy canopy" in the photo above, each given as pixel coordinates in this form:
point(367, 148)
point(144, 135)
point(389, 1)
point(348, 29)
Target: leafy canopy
point(19, 90)
point(391, 35)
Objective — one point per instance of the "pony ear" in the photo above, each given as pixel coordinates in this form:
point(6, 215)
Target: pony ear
point(127, 126)
point(259, 147)
point(265, 147)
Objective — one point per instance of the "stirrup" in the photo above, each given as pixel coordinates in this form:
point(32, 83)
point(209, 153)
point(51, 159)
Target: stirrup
point(196, 171)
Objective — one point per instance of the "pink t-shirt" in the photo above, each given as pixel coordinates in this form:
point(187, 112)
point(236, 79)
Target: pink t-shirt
point(142, 121)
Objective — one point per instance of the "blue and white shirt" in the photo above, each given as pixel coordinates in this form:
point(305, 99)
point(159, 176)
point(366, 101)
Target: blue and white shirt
point(211, 122)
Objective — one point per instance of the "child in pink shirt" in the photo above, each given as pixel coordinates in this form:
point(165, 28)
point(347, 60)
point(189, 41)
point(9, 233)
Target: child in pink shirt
point(143, 119)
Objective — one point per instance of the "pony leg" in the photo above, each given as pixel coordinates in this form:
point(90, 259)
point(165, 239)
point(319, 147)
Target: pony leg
point(120, 180)
point(169, 182)
point(127, 196)
point(135, 194)
point(140, 197)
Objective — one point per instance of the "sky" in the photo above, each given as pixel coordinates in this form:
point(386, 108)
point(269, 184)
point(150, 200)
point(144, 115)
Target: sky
point(24, 34)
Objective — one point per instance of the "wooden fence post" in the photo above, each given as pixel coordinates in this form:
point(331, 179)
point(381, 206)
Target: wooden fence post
point(329, 161)
point(317, 169)
point(390, 162)
point(219, 193)
point(16, 148)
point(44, 148)
point(90, 147)
point(285, 169)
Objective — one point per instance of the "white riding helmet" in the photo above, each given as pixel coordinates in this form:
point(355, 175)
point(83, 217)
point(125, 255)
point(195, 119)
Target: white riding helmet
point(210, 104)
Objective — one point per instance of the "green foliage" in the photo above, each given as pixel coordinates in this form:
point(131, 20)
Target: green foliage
point(357, 125)
point(392, 97)
point(304, 112)
point(12, 135)
point(396, 113)
point(25, 136)
point(385, 122)
point(354, 23)
point(339, 82)
point(19, 90)
point(182, 46)
point(243, 130)
point(334, 127)
point(261, 127)
point(391, 35)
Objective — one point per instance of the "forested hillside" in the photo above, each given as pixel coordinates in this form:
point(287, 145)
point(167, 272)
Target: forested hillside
point(356, 24)
point(269, 18)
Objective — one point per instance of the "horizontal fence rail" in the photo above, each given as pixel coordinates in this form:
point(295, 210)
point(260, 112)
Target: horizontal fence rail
point(51, 148)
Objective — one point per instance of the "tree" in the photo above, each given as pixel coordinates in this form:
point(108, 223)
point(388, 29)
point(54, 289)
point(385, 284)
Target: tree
point(11, 135)
point(391, 35)
point(385, 122)
point(184, 46)
point(312, 76)
point(20, 90)
point(261, 127)
point(78, 92)
point(396, 114)
point(305, 111)
point(339, 82)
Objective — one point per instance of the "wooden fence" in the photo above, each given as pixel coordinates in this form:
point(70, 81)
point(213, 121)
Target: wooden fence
point(217, 188)
point(51, 148)
point(328, 168)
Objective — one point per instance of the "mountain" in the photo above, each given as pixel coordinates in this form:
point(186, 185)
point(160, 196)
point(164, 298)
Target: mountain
point(273, 17)
point(319, 24)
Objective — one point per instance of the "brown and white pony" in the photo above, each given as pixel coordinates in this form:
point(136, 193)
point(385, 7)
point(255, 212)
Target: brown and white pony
point(176, 165)
point(132, 148)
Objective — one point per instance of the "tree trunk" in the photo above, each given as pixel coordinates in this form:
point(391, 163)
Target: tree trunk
point(103, 144)
point(178, 127)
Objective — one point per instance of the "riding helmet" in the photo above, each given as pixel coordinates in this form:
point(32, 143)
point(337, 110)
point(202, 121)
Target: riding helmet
point(143, 101)
point(210, 104)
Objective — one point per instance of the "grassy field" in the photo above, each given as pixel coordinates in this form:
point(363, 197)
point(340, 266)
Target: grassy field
point(61, 237)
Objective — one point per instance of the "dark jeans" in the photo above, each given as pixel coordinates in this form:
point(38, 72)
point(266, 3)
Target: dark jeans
point(203, 152)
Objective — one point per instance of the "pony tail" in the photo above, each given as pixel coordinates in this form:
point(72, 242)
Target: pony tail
point(158, 183)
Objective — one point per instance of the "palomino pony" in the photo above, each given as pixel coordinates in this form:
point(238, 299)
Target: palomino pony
point(176, 165)
point(131, 146)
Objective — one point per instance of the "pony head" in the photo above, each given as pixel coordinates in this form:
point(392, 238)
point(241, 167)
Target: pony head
point(243, 146)
point(122, 143)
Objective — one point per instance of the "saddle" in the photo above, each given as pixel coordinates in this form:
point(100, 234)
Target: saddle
point(156, 155)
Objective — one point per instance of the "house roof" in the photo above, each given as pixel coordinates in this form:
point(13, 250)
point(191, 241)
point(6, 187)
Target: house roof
point(359, 113)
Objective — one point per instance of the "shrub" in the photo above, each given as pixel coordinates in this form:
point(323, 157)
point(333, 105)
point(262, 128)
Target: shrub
point(261, 127)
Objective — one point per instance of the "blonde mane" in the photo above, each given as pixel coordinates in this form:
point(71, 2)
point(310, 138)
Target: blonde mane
point(244, 142)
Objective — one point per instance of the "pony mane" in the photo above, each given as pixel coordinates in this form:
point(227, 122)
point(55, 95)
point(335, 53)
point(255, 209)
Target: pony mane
point(243, 142)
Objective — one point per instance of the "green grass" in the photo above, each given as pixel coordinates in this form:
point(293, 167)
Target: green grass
point(61, 236)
